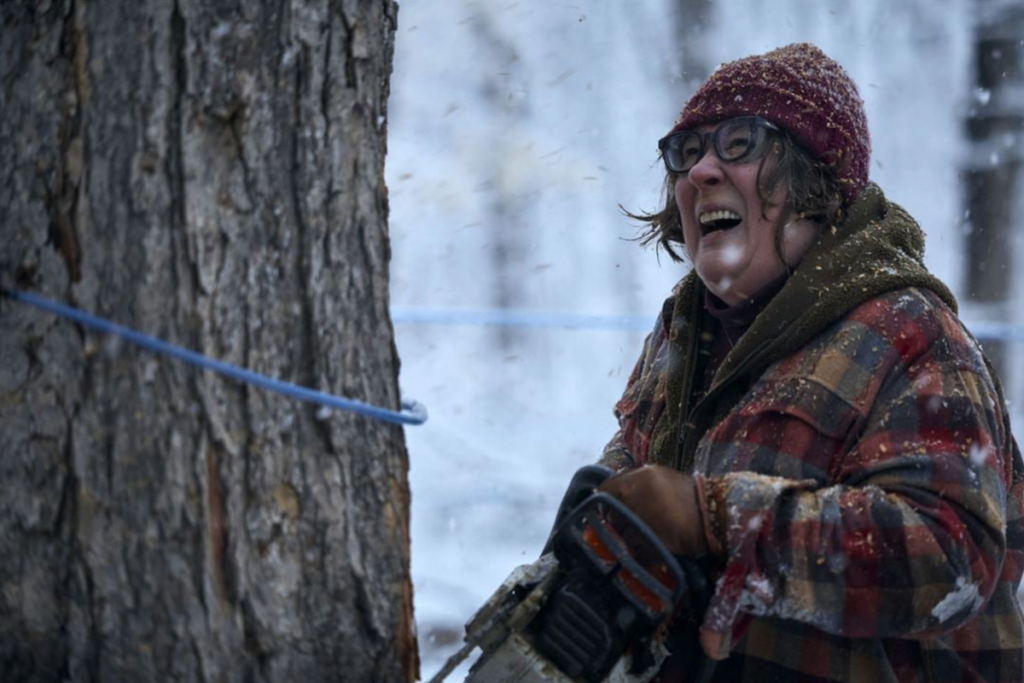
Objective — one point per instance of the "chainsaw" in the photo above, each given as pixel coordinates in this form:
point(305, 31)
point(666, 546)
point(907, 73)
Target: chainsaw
point(597, 605)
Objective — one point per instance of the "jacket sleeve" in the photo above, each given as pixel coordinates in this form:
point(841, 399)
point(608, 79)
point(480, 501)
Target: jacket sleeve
point(642, 400)
point(616, 453)
point(894, 521)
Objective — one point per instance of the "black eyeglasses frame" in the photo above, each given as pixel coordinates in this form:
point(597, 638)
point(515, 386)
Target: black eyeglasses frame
point(756, 122)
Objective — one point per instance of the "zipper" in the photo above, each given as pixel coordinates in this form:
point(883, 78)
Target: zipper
point(685, 412)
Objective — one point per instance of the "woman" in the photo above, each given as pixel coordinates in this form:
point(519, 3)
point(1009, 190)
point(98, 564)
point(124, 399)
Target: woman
point(810, 412)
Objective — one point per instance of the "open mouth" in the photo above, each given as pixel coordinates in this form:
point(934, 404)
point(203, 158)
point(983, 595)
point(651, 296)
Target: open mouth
point(713, 221)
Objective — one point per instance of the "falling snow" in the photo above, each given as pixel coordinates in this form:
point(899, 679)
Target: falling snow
point(515, 132)
point(964, 598)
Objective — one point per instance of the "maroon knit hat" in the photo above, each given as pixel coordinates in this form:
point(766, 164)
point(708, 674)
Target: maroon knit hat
point(801, 90)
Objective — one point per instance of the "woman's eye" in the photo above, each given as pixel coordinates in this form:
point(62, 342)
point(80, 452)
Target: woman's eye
point(690, 152)
point(737, 143)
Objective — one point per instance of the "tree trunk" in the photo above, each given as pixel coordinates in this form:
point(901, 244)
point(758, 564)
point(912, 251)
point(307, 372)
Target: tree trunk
point(210, 173)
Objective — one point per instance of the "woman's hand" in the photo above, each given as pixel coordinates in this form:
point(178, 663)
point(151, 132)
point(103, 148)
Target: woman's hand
point(667, 501)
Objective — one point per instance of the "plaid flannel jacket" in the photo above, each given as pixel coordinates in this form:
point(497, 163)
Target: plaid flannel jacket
point(868, 494)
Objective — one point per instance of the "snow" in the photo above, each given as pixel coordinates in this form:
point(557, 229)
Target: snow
point(732, 254)
point(979, 454)
point(516, 130)
point(964, 598)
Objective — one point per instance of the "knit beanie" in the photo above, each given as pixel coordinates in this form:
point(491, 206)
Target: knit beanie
point(801, 90)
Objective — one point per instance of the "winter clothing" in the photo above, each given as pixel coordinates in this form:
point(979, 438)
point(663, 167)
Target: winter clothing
point(854, 457)
point(801, 90)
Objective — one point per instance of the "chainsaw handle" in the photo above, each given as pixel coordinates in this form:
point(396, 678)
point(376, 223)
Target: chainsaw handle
point(568, 543)
point(583, 484)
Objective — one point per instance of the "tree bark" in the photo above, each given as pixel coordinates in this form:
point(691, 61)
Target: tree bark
point(210, 173)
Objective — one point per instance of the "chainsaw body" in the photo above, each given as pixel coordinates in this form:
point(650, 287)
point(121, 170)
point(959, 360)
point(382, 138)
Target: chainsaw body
point(588, 610)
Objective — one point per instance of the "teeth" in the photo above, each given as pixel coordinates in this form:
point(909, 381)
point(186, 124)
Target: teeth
point(709, 217)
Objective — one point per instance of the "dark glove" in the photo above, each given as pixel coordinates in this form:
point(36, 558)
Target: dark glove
point(668, 502)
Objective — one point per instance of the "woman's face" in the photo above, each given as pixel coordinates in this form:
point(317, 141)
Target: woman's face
point(730, 233)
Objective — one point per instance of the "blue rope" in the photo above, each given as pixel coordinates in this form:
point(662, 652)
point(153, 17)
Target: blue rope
point(983, 331)
point(412, 413)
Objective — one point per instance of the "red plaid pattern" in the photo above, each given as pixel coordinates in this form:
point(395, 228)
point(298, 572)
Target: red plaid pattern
point(869, 496)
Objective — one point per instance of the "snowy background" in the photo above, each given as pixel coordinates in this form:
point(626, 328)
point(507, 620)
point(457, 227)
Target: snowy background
point(516, 132)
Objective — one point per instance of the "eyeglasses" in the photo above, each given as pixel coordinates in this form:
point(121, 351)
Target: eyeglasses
point(741, 139)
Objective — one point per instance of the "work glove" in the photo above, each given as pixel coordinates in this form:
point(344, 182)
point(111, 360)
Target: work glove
point(668, 502)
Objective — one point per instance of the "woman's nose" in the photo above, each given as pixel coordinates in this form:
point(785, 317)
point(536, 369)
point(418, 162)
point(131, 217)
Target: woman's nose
point(707, 171)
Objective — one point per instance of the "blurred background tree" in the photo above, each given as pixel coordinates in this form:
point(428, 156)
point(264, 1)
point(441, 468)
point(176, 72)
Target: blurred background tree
point(991, 176)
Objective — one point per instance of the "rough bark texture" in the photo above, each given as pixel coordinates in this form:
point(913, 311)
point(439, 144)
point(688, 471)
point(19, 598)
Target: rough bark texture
point(210, 172)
